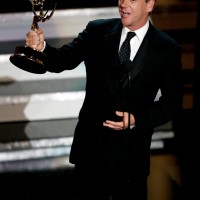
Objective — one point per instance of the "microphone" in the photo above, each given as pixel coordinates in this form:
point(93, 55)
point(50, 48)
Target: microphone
point(126, 66)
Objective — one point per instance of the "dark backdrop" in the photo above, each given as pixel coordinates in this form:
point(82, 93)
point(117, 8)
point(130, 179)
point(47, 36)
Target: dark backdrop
point(9, 6)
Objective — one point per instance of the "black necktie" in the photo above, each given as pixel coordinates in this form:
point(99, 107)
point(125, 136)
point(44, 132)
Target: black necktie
point(125, 50)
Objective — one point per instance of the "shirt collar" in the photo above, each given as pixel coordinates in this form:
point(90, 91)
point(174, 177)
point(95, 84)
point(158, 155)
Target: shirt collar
point(140, 33)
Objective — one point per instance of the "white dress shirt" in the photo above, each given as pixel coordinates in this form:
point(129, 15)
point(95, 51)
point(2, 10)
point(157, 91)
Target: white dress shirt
point(135, 41)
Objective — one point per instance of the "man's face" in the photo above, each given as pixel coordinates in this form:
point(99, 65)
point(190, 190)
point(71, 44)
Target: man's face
point(134, 13)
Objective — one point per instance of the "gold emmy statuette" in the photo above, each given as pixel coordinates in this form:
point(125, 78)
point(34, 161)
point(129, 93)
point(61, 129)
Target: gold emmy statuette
point(26, 58)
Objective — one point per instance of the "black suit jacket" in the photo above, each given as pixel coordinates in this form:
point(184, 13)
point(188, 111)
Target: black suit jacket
point(157, 65)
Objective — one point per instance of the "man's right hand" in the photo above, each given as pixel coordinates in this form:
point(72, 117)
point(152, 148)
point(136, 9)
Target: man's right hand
point(120, 125)
point(35, 39)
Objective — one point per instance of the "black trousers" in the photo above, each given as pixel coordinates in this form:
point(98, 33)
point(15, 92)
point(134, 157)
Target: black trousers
point(108, 171)
point(97, 183)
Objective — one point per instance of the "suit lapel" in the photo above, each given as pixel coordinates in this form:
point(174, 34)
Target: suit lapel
point(112, 41)
point(110, 45)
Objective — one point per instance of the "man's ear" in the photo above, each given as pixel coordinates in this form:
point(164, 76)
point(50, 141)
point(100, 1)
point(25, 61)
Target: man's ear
point(150, 5)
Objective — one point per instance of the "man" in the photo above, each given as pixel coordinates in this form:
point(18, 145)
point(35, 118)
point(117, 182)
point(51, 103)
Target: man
point(111, 146)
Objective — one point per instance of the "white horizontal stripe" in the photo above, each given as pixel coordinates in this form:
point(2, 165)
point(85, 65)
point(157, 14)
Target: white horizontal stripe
point(10, 72)
point(41, 106)
point(163, 135)
point(36, 143)
point(64, 23)
point(157, 145)
point(38, 98)
point(34, 153)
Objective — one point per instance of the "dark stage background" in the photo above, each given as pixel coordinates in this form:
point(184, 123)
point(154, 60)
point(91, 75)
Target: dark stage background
point(25, 5)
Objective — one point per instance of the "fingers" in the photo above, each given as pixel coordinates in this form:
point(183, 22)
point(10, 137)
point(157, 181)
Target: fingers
point(120, 125)
point(114, 125)
point(32, 40)
point(35, 40)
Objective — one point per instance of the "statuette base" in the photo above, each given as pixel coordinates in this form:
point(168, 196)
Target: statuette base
point(28, 59)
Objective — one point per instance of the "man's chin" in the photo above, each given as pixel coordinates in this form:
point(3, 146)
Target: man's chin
point(125, 21)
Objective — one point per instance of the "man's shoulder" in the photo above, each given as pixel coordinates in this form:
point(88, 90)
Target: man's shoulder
point(104, 23)
point(163, 36)
point(104, 26)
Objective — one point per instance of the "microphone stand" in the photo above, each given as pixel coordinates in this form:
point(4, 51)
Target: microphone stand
point(127, 76)
point(129, 100)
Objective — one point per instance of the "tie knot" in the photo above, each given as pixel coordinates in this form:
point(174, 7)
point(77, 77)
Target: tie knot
point(130, 35)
